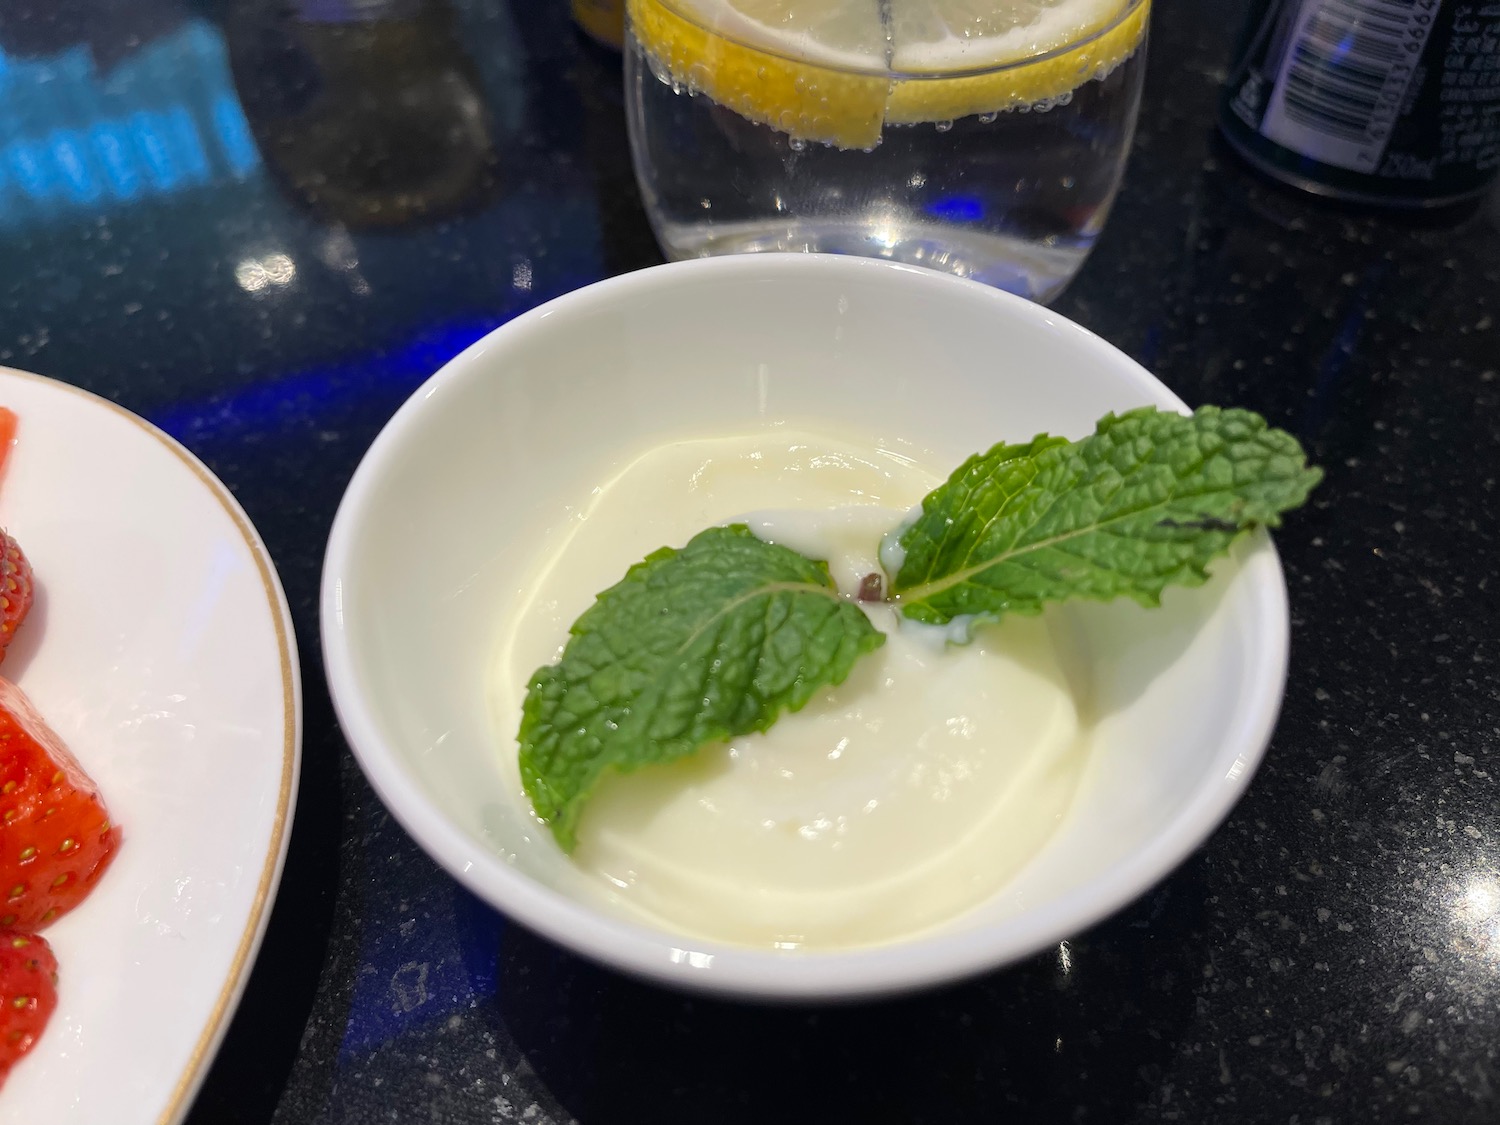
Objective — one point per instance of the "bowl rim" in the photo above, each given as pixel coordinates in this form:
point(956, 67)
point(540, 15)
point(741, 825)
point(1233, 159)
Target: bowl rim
point(925, 960)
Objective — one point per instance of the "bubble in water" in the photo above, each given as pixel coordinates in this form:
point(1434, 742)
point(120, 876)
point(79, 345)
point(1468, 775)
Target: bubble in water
point(988, 118)
point(1103, 70)
point(942, 126)
point(698, 78)
point(797, 144)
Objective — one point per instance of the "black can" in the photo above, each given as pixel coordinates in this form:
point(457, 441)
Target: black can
point(1393, 102)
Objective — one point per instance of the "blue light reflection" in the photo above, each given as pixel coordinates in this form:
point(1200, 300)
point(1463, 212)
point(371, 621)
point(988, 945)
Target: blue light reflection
point(164, 120)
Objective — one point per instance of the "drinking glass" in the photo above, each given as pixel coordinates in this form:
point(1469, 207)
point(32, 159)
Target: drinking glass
point(985, 138)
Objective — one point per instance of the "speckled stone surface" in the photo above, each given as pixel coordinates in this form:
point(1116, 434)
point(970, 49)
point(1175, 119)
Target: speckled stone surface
point(1331, 955)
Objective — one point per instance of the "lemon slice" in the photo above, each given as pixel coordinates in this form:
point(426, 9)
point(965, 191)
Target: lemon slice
point(944, 36)
point(838, 71)
point(1017, 53)
point(818, 76)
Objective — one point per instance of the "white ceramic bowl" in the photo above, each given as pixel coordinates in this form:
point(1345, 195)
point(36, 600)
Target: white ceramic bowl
point(424, 563)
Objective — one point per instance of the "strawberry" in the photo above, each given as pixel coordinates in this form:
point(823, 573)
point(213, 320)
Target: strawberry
point(55, 836)
point(15, 571)
point(8, 424)
point(28, 995)
point(16, 589)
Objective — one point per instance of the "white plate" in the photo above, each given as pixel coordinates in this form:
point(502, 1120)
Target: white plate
point(161, 650)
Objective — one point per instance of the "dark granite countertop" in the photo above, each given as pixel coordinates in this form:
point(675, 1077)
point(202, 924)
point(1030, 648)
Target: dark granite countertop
point(269, 291)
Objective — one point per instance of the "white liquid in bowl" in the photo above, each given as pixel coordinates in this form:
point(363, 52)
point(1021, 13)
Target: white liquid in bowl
point(888, 805)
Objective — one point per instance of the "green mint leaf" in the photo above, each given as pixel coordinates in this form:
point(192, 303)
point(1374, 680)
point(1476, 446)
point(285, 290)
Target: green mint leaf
point(1145, 502)
point(692, 646)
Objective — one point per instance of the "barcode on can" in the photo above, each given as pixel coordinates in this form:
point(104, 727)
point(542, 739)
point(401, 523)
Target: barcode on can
point(1344, 76)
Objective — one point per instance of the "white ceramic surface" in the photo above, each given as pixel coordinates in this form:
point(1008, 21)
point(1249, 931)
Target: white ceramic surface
point(522, 425)
point(161, 650)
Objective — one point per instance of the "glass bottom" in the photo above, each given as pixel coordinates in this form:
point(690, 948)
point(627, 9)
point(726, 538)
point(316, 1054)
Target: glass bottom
point(1028, 269)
